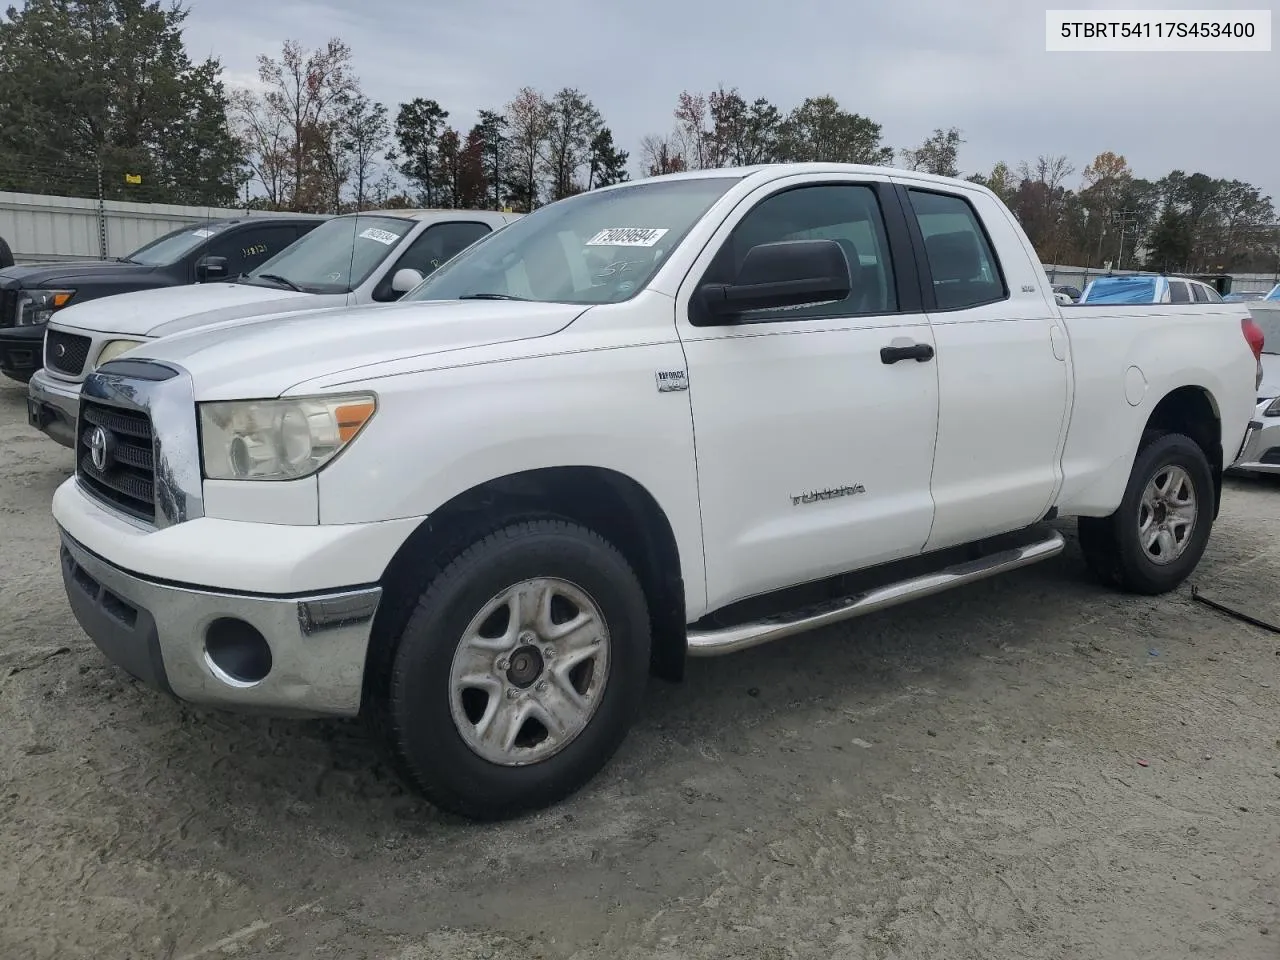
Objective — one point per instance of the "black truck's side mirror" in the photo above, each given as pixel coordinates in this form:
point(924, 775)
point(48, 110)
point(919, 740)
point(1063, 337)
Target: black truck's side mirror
point(789, 273)
point(211, 268)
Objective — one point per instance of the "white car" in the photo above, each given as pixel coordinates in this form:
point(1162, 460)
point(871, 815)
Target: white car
point(366, 258)
point(670, 418)
point(1261, 450)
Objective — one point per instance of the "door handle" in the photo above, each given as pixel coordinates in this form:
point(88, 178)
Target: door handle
point(920, 352)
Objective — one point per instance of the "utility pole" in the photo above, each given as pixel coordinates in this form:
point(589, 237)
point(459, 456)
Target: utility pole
point(1124, 218)
point(102, 212)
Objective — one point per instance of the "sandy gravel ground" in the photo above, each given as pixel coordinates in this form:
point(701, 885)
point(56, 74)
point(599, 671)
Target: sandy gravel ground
point(1029, 768)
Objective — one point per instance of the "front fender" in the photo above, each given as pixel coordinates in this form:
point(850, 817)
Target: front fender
point(440, 433)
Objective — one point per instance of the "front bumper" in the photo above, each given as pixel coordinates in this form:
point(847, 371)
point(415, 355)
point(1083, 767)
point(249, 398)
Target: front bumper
point(284, 655)
point(52, 407)
point(1261, 450)
point(21, 351)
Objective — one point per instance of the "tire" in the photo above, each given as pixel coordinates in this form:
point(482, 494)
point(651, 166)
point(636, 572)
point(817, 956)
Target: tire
point(440, 690)
point(1114, 547)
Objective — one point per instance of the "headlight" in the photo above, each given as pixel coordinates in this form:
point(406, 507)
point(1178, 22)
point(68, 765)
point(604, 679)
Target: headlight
point(114, 348)
point(279, 439)
point(37, 306)
point(1273, 408)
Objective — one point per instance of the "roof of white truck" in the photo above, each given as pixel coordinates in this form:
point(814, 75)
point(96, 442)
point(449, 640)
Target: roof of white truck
point(430, 213)
point(791, 169)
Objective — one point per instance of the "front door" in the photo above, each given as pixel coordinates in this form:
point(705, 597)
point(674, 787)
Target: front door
point(813, 452)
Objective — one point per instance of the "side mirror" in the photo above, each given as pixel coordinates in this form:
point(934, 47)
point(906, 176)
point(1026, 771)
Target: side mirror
point(211, 268)
point(405, 279)
point(790, 273)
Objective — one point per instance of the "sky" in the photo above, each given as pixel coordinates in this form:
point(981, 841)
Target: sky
point(911, 66)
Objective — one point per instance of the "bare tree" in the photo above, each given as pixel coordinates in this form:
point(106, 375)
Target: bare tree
point(661, 154)
point(528, 124)
point(262, 134)
point(692, 131)
point(291, 126)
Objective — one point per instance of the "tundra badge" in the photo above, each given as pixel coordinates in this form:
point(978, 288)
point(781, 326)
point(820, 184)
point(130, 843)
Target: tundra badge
point(818, 495)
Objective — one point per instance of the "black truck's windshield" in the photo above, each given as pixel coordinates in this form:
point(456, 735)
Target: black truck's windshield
point(174, 245)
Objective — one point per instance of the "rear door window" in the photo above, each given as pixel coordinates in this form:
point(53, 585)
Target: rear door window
point(962, 263)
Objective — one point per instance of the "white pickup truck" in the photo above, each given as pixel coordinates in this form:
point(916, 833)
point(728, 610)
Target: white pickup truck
point(670, 418)
point(360, 258)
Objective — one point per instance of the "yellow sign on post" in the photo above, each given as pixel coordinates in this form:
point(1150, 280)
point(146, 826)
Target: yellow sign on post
point(133, 178)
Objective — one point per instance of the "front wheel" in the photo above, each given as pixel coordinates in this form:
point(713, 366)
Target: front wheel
point(520, 671)
point(1153, 542)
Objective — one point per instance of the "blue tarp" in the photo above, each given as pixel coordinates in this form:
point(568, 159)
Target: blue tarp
point(1274, 294)
point(1123, 290)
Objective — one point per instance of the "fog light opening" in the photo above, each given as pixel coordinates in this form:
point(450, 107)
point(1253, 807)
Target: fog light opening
point(236, 652)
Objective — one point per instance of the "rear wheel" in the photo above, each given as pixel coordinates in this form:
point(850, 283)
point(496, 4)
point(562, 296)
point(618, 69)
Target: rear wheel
point(1153, 542)
point(520, 671)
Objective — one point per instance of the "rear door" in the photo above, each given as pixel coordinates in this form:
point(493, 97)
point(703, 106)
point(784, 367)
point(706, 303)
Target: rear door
point(1002, 360)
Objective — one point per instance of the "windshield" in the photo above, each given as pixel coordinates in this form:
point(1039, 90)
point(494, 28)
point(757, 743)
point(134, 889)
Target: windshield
point(335, 257)
point(174, 245)
point(597, 247)
point(1122, 290)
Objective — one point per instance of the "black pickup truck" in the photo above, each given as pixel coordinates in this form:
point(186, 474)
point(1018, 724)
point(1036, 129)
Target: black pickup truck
point(199, 252)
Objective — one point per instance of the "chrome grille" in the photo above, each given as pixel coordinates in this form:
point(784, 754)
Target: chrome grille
point(115, 457)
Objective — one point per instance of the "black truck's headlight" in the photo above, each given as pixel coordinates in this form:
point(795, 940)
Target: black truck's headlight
point(37, 306)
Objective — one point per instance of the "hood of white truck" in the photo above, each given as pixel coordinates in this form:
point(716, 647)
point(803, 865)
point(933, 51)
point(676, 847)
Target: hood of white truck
point(168, 310)
point(264, 357)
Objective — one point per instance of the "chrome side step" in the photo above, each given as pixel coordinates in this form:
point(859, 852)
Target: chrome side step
point(713, 643)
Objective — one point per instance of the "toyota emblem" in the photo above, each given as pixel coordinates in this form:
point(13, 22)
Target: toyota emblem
point(98, 440)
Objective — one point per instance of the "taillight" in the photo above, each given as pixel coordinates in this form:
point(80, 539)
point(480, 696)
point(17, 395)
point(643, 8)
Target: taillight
point(1253, 334)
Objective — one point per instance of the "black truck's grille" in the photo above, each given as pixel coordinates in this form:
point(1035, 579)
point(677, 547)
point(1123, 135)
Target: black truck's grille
point(126, 480)
point(8, 308)
point(66, 352)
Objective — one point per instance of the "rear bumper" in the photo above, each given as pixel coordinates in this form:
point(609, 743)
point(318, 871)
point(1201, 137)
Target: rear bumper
point(1261, 450)
point(21, 351)
point(288, 656)
point(53, 407)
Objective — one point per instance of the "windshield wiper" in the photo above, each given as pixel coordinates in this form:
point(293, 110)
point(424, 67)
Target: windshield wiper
point(490, 296)
point(283, 281)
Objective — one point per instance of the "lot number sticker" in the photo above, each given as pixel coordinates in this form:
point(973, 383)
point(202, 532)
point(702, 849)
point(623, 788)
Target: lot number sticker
point(628, 237)
point(382, 236)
